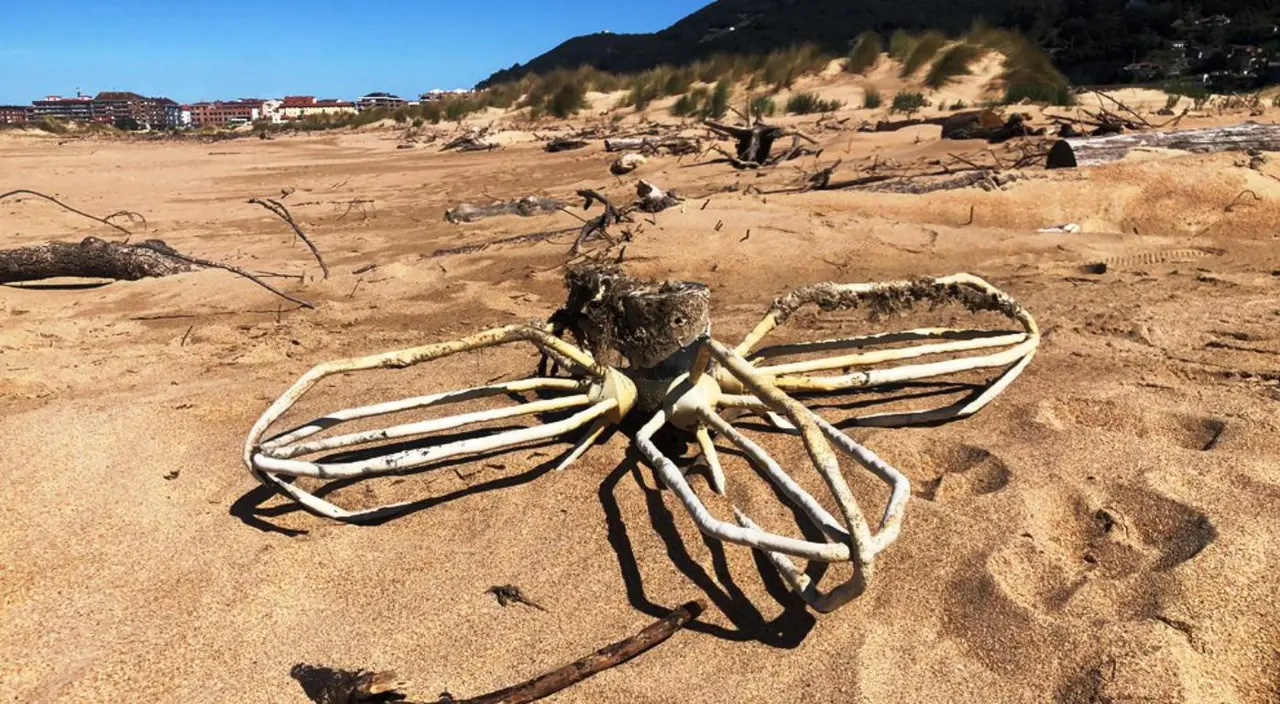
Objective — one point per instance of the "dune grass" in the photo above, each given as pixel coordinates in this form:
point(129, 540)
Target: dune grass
point(809, 103)
point(925, 47)
point(871, 98)
point(951, 64)
point(865, 53)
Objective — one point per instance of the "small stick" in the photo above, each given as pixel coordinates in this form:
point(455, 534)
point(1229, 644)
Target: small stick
point(1232, 205)
point(168, 251)
point(746, 236)
point(186, 335)
point(282, 212)
point(595, 663)
point(970, 217)
point(105, 221)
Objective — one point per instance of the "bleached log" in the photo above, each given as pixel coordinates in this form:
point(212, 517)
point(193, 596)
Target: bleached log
point(524, 207)
point(1089, 151)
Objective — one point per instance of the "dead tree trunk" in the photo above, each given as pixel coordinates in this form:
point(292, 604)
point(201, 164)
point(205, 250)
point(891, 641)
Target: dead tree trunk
point(89, 258)
point(651, 325)
point(1088, 151)
point(524, 207)
point(754, 143)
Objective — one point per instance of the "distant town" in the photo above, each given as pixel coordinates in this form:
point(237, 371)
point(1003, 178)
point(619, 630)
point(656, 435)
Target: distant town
point(131, 111)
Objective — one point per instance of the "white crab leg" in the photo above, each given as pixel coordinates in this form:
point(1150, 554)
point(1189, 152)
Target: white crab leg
point(427, 426)
point(331, 419)
point(410, 459)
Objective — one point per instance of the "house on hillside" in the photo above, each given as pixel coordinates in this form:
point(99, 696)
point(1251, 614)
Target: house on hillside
point(386, 101)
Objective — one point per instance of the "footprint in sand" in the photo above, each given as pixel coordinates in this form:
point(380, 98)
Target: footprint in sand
point(1174, 531)
point(1185, 430)
point(960, 471)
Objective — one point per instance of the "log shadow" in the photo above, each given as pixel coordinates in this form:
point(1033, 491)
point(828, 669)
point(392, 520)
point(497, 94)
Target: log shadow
point(251, 508)
point(786, 631)
point(74, 286)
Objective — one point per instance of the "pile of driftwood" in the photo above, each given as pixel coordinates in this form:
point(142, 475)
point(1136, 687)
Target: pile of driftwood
point(472, 140)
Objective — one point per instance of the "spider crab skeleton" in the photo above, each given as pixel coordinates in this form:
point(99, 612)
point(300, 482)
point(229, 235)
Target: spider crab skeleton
point(692, 384)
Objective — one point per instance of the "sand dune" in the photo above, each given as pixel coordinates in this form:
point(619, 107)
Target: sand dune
point(1105, 531)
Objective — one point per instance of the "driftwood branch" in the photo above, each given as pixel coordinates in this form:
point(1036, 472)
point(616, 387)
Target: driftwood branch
point(598, 225)
point(283, 213)
point(331, 686)
point(95, 258)
point(132, 216)
point(595, 663)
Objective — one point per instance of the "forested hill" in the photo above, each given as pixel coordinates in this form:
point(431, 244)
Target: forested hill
point(1091, 40)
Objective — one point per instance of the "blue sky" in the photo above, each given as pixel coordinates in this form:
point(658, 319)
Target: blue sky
point(196, 49)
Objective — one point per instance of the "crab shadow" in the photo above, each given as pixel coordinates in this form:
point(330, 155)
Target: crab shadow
point(786, 630)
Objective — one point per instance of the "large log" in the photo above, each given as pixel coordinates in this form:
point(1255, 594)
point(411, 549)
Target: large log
point(1088, 151)
point(89, 258)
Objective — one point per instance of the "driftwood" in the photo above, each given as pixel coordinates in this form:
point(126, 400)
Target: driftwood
point(564, 144)
point(524, 207)
point(675, 146)
point(626, 163)
point(514, 239)
point(95, 258)
point(599, 225)
point(895, 125)
point(331, 686)
point(1087, 151)
point(90, 258)
point(754, 142)
point(127, 214)
point(654, 199)
point(609, 656)
point(471, 142)
point(988, 125)
point(283, 213)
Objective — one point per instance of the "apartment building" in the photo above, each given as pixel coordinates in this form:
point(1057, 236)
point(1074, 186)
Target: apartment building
point(152, 113)
point(227, 114)
point(296, 107)
point(16, 114)
point(77, 109)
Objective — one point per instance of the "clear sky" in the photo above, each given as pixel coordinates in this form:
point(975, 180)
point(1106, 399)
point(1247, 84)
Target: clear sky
point(192, 50)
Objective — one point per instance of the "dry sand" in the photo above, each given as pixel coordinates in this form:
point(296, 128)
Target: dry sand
point(1105, 531)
